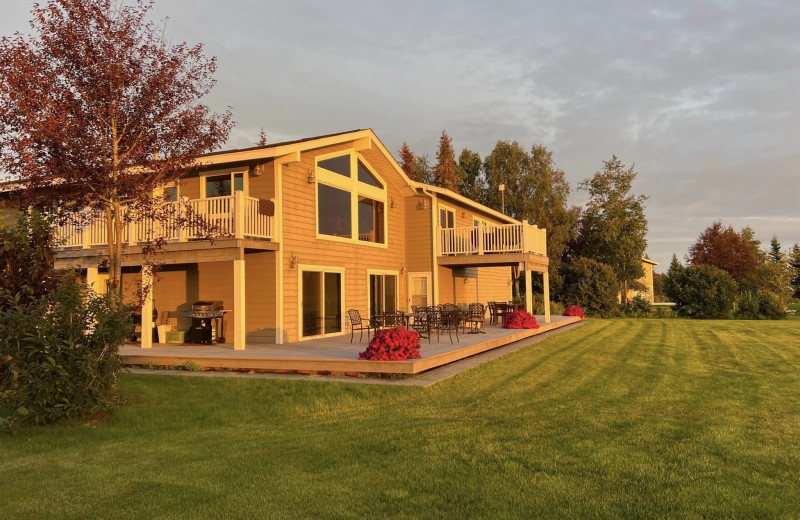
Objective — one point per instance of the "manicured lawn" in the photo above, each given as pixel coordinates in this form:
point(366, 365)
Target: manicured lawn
point(618, 418)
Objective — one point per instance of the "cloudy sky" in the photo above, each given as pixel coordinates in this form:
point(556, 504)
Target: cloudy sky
point(703, 96)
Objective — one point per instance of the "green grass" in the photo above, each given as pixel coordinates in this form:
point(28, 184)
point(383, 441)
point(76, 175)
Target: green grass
point(618, 418)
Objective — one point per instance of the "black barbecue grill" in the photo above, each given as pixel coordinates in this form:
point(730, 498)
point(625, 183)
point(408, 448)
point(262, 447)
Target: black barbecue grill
point(206, 316)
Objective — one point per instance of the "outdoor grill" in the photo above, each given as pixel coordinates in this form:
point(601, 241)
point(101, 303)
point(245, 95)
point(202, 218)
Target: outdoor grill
point(208, 318)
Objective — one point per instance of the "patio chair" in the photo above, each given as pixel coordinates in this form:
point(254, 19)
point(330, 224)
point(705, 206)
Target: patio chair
point(492, 313)
point(448, 321)
point(391, 319)
point(422, 322)
point(476, 316)
point(357, 323)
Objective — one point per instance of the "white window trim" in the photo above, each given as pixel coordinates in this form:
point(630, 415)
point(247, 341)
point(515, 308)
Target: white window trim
point(449, 209)
point(396, 274)
point(319, 269)
point(231, 172)
point(355, 188)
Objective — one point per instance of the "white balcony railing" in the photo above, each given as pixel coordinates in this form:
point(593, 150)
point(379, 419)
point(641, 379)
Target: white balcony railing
point(235, 216)
point(485, 239)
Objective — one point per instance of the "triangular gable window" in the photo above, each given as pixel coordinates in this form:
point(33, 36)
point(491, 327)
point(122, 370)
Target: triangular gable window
point(365, 176)
point(340, 165)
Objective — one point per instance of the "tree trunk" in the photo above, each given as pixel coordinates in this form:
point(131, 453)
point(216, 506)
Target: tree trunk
point(623, 292)
point(113, 281)
point(117, 246)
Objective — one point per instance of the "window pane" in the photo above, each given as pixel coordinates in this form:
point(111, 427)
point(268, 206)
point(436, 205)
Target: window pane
point(218, 186)
point(170, 194)
point(238, 182)
point(375, 294)
point(370, 220)
point(333, 302)
point(340, 165)
point(334, 211)
point(390, 290)
point(365, 176)
point(312, 313)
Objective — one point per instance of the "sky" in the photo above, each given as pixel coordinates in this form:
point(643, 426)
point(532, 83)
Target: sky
point(701, 96)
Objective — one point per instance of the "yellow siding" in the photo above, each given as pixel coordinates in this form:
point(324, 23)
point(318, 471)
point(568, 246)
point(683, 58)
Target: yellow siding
point(419, 255)
point(494, 284)
point(299, 239)
point(260, 295)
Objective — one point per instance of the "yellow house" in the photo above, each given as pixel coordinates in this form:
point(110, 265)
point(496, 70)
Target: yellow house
point(647, 281)
point(313, 228)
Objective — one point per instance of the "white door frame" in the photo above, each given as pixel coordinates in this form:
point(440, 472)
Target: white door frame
point(429, 286)
point(319, 269)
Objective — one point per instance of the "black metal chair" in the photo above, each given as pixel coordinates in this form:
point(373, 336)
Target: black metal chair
point(357, 323)
point(422, 321)
point(475, 316)
point(448, 321)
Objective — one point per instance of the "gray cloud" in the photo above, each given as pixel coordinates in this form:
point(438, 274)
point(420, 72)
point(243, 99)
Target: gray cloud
point(701, 96)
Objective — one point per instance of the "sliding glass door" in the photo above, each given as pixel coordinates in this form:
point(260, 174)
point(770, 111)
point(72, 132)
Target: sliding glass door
point(321, 305)
point(382, 293)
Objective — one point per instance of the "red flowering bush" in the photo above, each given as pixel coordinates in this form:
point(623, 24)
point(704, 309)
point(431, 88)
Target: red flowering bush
point(395, 344)
point(574, 310)
point(520, 320)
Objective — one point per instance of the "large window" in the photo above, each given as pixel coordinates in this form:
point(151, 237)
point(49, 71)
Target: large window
point(351, 200)
point(334, 211)
point(223, 185)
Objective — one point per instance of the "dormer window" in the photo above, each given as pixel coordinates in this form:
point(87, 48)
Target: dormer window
point(351, 200)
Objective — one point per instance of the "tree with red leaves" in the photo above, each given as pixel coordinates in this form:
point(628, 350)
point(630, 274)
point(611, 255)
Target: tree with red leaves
point(98, 110)
point(725, 249)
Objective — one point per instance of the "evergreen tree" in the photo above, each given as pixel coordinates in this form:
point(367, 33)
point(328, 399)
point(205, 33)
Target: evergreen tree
point(614, 225)
point(672, 280)
point(262, 137)
point(774, 255)
point(407, 162)
point(794, 266)
point(445, 171)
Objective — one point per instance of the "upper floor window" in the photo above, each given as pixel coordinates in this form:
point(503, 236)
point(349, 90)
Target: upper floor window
point(351, 199)
point(223, 185)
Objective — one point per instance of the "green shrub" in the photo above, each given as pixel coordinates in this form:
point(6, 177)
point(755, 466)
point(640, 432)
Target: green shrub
point(771, 306)
point(747, 307)
point(556, 308)
point(703, 292)
point(27, 253)
point(590, 284)
point(638, 307)
point(59, 355)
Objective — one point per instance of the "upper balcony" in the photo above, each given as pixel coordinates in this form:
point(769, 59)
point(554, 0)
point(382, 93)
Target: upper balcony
point(493, 245)
point(233, 217)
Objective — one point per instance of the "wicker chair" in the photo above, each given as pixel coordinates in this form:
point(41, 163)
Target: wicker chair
point(357, 323)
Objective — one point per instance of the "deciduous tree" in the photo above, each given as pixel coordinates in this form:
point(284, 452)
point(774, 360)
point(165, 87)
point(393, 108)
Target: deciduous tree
point(470, 175)
point(613, 224)
point(98, 109)
point(725, 249)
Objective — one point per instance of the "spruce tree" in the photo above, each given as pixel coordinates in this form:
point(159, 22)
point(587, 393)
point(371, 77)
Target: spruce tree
point(407, 162)
point(444, 173)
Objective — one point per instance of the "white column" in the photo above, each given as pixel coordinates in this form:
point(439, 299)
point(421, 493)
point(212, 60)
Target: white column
point(239, 329)
point(147, 307)
point(528, 289)
point(546, 284)
point(92, 275)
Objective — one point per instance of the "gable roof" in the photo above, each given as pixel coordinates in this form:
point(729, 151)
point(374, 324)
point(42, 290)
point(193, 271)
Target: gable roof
point(276, 150)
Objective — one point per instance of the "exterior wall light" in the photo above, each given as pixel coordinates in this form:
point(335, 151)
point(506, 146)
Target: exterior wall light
point(293, 263)
point(311, 177)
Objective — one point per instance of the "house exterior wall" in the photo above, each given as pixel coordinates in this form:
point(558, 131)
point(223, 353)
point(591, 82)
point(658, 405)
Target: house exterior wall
point(299, 199)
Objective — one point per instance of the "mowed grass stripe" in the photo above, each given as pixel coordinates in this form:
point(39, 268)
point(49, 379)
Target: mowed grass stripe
point(617, 418)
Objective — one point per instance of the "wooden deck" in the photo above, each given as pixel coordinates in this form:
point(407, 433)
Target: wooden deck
point(334, 354)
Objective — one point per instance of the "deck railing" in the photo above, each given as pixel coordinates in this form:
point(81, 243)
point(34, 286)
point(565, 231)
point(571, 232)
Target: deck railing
point(486, 239)
point(235, 216)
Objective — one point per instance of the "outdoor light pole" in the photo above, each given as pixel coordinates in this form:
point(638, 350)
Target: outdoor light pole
point(502, 189)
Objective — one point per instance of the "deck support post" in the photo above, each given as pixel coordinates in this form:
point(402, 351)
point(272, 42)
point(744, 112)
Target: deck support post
point(546, 285)
point(147, 306)
point(528, 289)
point(92, 275)
point(239, 328)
